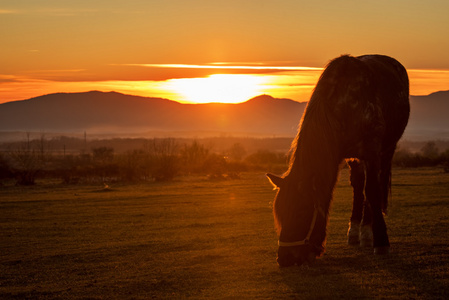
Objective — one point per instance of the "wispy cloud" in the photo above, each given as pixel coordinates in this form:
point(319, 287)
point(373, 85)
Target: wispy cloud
point(8, 11)
point(68, 75)
point(65, 12)
point(56, 71)
point(225, 66)
point(52, 12)
point(8, 78)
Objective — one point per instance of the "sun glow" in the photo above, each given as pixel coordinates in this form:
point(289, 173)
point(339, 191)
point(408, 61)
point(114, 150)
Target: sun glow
point(227, 88)
point(223, 88)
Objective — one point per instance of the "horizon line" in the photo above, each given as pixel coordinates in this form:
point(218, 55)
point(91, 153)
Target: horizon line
point(181, 102)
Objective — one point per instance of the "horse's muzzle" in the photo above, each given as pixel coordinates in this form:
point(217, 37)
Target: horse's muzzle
point(295, 255)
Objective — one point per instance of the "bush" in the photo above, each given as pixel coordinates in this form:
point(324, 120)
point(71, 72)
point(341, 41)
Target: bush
point(134, 166)
point(26, 165)
point(265, 157)
point(193, 157)
point(5, 170)
point(164, 156)
point(428, 156)
point(236, 152)
point(215, 165)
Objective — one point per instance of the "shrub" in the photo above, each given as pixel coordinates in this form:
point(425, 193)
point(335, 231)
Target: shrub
point(215, 165)
point(193, 157)
point(163, 153)
point(5, 170)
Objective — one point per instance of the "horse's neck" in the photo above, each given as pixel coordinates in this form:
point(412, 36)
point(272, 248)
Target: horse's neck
point(317, 162)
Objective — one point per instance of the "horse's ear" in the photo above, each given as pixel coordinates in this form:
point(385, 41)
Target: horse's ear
point(276, 181)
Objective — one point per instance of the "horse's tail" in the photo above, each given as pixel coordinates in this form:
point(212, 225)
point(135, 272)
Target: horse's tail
point(386, 183)
point(388, 195)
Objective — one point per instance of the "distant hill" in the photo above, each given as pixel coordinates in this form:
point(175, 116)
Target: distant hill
point(429, 117)
point(115, 113)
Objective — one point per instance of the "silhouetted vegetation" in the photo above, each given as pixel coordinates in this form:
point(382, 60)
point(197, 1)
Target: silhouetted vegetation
point(27, 160)
point(76, 160)
point(5, 170)
point(428, 156)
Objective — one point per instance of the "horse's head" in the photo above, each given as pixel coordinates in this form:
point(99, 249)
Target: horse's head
point(301, 224)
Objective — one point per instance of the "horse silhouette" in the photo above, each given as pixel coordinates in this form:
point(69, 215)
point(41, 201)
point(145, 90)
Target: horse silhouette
point(358, 111)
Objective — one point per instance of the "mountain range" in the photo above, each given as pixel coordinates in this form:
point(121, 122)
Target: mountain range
point(120, 114)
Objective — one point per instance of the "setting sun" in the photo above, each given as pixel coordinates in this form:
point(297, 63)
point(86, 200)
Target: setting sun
point(223, 88)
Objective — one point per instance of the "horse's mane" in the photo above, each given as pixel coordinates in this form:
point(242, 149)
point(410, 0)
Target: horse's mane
point(316, 152)
point(323, 123)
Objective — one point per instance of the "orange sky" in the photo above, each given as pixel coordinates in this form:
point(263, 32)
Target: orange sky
point(148, 47)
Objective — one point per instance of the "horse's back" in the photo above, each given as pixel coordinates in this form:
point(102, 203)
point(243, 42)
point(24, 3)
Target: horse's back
point(390, 78)
point(365, 101)
point(391, 92)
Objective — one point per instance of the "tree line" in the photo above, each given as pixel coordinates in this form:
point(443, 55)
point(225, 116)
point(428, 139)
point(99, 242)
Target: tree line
point(159, 159)
point(428, 156)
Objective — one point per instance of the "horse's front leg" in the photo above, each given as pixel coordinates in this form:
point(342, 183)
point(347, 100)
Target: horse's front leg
point(360, 230)
point(357, 180)
point(373, 195)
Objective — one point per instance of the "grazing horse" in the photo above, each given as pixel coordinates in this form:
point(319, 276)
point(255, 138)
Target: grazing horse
point(358, 110)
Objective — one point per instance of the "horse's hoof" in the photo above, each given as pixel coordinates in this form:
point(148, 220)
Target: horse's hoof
point(353, 234)
point(366, 236)
point(385, 250)
point(283, 263)
point(311, 258)
point(353, 241)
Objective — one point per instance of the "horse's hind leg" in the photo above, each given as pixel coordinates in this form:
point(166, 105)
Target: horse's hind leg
point(366, 227)
point(366, 231)
point(385, 177)
point(374, 195)
point(357, 180)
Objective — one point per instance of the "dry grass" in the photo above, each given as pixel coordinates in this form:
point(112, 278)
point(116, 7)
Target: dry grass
point(201, 239)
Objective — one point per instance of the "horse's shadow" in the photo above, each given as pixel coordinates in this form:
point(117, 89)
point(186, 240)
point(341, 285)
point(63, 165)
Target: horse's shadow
point(360, 276)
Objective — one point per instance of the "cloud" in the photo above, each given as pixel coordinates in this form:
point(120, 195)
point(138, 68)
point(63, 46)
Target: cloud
point(65, 12)
point(57, 75)
point(8, 11)
point(227, 66)
point(161, 72)
point(52, 12)
point(8, 78)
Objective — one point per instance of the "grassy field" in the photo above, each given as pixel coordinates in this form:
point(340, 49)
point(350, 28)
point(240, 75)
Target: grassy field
point(201, 239)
